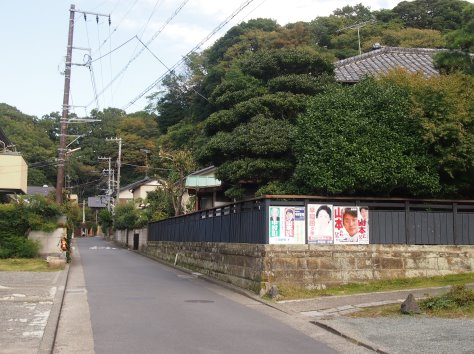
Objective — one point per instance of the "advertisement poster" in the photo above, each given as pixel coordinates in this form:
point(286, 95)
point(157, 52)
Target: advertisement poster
point(351, 225)
point(320, 223)
point(287, 225)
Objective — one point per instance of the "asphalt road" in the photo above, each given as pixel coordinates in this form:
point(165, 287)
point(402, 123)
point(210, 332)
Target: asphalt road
point(140, 306)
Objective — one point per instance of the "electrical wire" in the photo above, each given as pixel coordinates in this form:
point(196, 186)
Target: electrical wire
point(113, 50)
point(170, 71)
point(199, 45)
point(125, 68)
point(120, 22)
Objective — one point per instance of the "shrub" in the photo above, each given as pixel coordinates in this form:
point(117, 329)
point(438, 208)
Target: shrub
point(458, 296)
point(18, 247)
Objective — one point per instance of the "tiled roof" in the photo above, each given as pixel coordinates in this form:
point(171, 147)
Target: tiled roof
point(382, 60)
point(38, 190)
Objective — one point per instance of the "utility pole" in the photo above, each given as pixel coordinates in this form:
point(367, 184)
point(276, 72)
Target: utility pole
point(63, 130)
point(109, 182)
point(65, 110)
point(119, 163)
point(146, 152)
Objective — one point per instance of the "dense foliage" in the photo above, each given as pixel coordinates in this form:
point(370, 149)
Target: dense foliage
point(261, 105)
point(17, 219)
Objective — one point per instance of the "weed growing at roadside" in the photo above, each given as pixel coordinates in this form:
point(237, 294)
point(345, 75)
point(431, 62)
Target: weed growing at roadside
point(459, 301)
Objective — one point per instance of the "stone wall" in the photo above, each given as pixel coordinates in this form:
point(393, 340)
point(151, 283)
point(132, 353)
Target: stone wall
point(257, 267)
point(316, 266)
point(238, 264)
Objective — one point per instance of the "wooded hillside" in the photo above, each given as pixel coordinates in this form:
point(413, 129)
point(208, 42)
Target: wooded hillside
point(263, 106)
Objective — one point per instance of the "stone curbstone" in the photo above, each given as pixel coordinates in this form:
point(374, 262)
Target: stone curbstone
point(50, 331)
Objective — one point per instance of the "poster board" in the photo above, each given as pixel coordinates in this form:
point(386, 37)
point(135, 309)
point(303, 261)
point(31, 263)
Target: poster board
point(320, 224)
point(287, 225)
point(351, 225)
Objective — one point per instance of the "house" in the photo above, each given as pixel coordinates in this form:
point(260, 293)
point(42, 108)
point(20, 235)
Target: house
point(383, 59)
point(41, 190)
point(125, 195)
point(138, 189)
point(207, 188)
point(13, 169)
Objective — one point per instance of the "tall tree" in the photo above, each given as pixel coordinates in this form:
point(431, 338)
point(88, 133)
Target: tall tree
point(442, 15)
point(259, 100)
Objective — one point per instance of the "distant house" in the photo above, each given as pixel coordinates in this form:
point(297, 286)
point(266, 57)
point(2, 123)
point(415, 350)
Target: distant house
point(384, 59)
point(207, 188)
point(13, 169)
point(138, 189)
point(40, 190)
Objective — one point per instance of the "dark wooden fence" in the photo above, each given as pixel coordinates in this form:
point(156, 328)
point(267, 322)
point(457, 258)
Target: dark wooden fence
point(392, 221)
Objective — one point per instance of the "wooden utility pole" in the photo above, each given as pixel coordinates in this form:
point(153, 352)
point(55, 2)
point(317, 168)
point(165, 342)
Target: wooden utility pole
point(67, 86)
point(64, 117)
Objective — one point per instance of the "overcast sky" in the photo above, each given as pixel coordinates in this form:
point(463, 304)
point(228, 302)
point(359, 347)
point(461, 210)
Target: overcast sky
point(34, 37)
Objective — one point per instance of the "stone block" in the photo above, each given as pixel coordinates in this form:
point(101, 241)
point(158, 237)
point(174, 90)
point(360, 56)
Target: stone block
point(345, 263)
point(284, 263)
point(364, 263)
point(56, 262)
point(312, 263)
point(392, 263)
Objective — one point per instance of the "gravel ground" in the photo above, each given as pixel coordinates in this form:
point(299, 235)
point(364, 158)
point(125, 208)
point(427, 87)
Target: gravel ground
point(410, 334)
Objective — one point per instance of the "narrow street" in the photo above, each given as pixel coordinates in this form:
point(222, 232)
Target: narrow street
point(138, 305)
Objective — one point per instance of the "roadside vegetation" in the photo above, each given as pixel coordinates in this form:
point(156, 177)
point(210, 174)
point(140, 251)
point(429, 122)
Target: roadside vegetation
point(26, 265)
point(18, 219)
point(458, 302)
point(380, 285)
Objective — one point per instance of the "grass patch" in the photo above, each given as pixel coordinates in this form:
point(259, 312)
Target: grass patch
point(380, 285)
point(25, 265)
point(457, 303)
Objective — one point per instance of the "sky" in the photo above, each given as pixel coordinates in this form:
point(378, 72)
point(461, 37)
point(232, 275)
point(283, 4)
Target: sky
point(145, 39)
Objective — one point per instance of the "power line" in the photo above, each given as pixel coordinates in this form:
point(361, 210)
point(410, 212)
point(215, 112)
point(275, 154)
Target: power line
point(113, 50)
point(169, 70)
point(199, 45)
point(120, 22)
point(139, 52)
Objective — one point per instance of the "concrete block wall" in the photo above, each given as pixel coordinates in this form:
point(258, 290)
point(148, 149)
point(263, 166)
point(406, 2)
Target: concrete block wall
point(120, 237)
point(50, 242)
point(257, 267)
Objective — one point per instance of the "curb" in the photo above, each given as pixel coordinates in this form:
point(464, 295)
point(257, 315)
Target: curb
point(349, 338)
point(51, 329)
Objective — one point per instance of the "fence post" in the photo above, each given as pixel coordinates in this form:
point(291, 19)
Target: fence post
point(455, 226)
point(407, 223)
point(267, 222)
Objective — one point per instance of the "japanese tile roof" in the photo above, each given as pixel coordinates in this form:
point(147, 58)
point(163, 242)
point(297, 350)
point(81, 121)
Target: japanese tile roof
point(38, 190)
point(382, 60)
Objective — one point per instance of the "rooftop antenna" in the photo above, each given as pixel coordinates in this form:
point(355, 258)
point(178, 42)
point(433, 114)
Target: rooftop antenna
point(357, 25)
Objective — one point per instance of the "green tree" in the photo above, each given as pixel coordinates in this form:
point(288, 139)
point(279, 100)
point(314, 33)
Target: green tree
point(442, 15)
point(27, 133)
point(260, 98)
point(362, 139)
point(444, 106)
point(171, 168)
point(461, 41)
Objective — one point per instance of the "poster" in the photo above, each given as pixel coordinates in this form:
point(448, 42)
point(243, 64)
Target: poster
point(320, 223)
point(286, 225)
point(351, 225)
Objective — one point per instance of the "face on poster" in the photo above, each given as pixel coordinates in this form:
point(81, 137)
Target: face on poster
point(287, 225)
point(320, 223)
point(351, 225)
